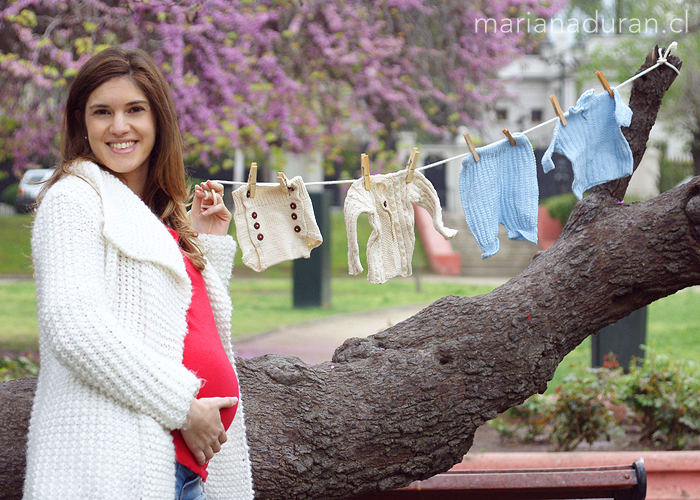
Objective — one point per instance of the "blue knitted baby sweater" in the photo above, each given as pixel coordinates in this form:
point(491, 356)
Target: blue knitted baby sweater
point(500, 188)
point(593, 141)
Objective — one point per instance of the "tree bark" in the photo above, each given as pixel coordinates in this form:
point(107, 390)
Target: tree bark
point(404, 404)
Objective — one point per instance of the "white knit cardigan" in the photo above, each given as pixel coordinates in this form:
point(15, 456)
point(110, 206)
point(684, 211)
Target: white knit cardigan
point(113, 295)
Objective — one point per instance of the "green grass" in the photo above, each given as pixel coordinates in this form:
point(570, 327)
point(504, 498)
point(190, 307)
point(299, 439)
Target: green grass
point(19, 329)
point(14, 245)
point(260, 304)
point(15, 250)
point(673, 326)
point(264, 305)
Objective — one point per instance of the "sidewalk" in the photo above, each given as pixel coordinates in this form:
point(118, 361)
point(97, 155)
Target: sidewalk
point(316, 341)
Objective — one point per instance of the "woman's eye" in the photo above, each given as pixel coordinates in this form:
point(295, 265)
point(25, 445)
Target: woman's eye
point(101, 112)
point(137, 109)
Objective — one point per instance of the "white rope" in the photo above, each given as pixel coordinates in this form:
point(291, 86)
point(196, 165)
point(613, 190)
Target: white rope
point(662, 59)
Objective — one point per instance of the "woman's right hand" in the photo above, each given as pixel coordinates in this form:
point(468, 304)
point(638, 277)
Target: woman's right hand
point(203, 431)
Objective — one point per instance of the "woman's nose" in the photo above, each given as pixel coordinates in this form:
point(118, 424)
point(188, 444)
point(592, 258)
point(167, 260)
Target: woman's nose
point(120, 124)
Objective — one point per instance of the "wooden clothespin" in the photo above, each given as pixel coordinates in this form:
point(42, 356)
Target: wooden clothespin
point(557, 109)
point(252, 179)
point(510, 137)
point(364, 166)
point(411, 165)
point(470, 145)
point(605, 83)
point(284, 183)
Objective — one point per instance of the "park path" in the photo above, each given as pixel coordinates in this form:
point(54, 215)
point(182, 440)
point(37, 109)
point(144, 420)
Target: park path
point(314, 342)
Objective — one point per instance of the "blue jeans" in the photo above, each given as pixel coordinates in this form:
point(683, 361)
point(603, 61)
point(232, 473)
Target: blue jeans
point(188, 485)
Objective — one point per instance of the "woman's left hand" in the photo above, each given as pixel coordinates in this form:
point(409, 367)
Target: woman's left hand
point(208, 214)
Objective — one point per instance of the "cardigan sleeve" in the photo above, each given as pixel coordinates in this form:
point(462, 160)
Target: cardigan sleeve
point(77, 320)
point(219, 251)
point(355, 205)
point(424, 195)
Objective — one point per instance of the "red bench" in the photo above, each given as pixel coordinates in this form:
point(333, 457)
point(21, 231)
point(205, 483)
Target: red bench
point(619, 482)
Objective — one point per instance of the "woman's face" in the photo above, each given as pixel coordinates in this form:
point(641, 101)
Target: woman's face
point(121, 129)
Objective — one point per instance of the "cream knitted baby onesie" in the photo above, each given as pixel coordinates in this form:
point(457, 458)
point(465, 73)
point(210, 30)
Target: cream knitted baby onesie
point(273, 226)
point(389, 204)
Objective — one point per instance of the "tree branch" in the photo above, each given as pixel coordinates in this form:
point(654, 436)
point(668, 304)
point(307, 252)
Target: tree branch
point(404, 404)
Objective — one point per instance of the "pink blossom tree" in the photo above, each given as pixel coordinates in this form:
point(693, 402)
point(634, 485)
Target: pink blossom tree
point(297, 74)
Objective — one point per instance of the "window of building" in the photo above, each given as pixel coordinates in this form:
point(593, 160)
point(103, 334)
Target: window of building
point(501, 114)
point(536, 115)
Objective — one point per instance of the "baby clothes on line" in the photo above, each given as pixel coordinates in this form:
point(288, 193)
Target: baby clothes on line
point(273, 226)
point(389, 205)
point(593, 141)
point(500, 188)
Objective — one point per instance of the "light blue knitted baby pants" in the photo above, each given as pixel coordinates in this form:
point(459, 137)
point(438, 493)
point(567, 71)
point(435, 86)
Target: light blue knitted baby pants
point(593, 141)
point(500, 188)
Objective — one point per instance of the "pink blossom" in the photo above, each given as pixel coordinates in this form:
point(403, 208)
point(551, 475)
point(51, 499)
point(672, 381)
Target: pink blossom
point(298, 75)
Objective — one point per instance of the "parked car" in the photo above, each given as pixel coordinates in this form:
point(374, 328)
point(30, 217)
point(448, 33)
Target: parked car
point(30, 187)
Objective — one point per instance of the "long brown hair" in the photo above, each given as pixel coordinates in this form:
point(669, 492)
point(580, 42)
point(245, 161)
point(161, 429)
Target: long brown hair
point(165, 192)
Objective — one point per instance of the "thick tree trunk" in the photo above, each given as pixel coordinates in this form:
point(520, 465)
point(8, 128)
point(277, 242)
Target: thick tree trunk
point(404, 404)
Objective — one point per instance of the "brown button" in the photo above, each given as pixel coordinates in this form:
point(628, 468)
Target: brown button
point(260, 237)
point(294, 216)
point(254, 215)
point(256, 225)
point(247, 194)
point(385, 203)
point(291, 189)
point(297, 229)
point(293, 206)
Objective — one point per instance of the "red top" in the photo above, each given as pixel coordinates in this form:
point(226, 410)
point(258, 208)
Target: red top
point(205, 356)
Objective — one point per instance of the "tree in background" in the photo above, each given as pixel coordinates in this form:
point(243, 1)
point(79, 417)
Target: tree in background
point(266, 73)
point(684, 102)
point(640, 23)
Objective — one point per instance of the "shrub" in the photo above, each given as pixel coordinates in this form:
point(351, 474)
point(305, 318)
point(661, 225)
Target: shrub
point(659, 393)
point(26, 365)
point(663, 392)
point(581, 411)
point(9, 194)
point(525, 422)
point(560, 206)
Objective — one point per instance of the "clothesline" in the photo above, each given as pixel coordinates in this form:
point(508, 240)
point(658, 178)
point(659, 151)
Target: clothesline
point(662, 59)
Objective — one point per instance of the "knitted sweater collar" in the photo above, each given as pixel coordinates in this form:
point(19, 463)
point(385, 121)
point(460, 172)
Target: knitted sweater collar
point(129, 224)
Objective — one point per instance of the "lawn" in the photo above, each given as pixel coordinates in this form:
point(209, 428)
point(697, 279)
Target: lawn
point(673, 327)
point(14, 245)
point(19, 328)
point(260, 305)
point(15, 250)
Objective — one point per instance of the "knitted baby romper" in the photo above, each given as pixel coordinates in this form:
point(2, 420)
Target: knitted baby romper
point(273, 226)
point(500, 188)
point(593, 141)
point(389, 204)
